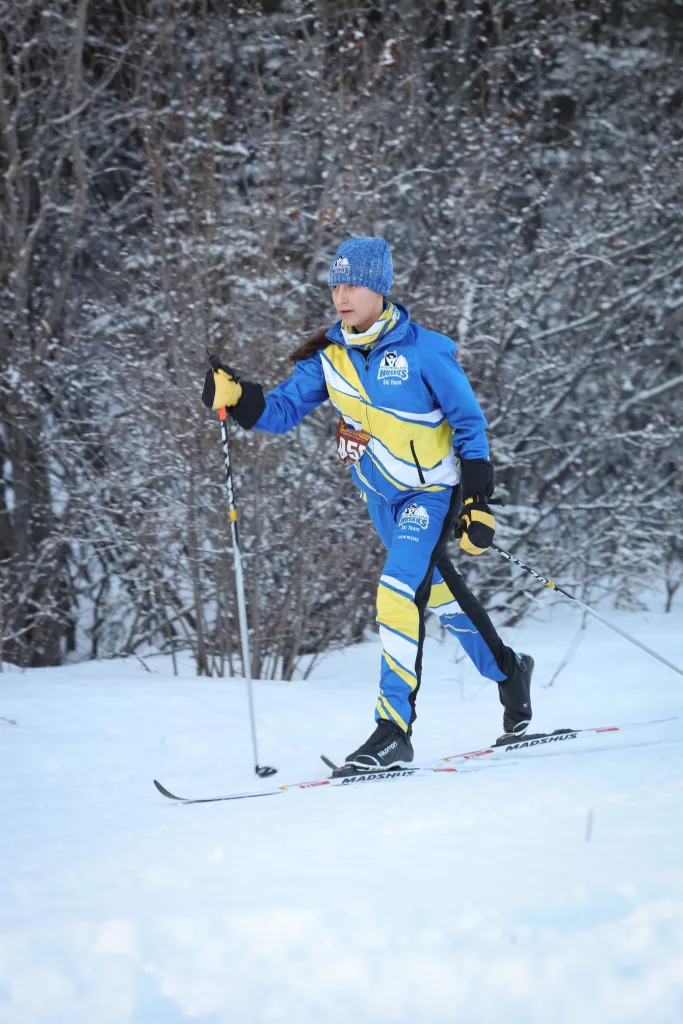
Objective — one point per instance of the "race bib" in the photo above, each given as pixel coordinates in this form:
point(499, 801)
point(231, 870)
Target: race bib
point(350, 443)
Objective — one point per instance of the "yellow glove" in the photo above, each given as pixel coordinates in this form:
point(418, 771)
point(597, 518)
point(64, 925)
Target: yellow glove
point(221, 388)
point(478, 527)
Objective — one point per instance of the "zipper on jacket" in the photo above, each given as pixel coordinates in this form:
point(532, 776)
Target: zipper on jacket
point(419, 467)
point(366, 356)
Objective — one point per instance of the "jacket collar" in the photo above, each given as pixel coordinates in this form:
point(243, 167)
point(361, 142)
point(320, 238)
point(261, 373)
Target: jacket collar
point(391, 338)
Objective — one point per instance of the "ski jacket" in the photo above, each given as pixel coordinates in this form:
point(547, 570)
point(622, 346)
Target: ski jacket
point(408, 392)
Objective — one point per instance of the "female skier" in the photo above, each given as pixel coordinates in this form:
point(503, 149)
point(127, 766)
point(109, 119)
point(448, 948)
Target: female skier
point(414, 437)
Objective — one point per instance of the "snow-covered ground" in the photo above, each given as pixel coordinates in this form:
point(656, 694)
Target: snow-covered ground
point(549, 891)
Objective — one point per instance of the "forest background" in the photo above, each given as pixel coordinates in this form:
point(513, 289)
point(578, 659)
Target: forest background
point(177, 175)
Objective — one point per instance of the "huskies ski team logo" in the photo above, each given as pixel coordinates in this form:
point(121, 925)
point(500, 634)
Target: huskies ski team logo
point(393, 365)
point(414, 515)
point(341, 266)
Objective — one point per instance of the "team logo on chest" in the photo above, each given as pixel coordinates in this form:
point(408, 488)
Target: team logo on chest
point(414, 515)
point(393, 366)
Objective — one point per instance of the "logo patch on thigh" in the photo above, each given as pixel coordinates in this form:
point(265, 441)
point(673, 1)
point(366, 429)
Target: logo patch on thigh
point(414, 516)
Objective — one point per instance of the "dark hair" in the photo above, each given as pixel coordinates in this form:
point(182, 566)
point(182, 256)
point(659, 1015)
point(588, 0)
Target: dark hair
point(310, 345)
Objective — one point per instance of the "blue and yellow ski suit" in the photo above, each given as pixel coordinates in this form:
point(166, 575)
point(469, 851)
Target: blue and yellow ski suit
point(410, 394)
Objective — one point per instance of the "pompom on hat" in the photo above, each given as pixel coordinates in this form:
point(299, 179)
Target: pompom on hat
point(365, 262)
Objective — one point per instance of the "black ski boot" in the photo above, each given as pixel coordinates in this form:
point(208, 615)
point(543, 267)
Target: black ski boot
point(515, 696)
point(388, 747)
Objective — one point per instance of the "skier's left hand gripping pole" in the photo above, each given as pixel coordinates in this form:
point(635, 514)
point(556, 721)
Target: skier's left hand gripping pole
point(261, 770)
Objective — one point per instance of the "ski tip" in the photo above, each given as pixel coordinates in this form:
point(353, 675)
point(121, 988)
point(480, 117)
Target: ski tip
point(165, 792)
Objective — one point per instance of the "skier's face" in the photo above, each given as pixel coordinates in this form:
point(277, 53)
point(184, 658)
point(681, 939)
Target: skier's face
point(357, 306)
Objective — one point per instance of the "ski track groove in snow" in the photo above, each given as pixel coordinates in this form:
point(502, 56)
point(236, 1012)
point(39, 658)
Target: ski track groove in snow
point(461, 898)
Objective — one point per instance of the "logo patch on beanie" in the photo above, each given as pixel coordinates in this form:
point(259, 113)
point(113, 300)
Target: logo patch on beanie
point(341, 266)
point(393, 365)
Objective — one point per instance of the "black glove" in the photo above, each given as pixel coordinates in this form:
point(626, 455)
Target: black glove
point(223, 387)
point(476, 523)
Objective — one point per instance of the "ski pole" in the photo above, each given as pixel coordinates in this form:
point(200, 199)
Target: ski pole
point(261, 770)
point(580, 604)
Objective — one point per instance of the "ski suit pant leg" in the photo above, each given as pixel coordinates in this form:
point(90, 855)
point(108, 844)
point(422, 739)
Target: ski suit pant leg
point(465, 618)
point(415, 530)
point(418, 573)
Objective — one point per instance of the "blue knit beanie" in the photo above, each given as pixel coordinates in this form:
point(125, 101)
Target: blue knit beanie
point(363, 261)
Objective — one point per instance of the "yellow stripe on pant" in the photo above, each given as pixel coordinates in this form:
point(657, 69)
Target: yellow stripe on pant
point(399, 629)
point(409, 678)
point(438, 595)
point(442, 602)
point(391, 714)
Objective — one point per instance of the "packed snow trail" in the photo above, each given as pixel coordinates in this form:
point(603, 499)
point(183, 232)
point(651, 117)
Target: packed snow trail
point(549, 892)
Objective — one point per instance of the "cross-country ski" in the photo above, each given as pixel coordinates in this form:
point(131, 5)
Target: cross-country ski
point(540, 744)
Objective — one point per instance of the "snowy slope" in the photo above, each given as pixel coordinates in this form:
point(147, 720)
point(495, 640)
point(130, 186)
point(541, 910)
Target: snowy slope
point(472, 898)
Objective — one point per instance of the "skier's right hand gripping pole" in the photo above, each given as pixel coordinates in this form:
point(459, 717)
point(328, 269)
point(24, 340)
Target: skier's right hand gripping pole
point(225, 389)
